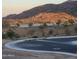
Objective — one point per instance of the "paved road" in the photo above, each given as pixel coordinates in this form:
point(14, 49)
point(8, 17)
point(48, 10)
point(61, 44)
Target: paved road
point(13, 54)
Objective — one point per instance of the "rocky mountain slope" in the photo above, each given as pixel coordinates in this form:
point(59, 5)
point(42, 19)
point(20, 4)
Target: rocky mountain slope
point(69, 7)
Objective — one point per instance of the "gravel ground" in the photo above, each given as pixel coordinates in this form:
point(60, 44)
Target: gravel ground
point(14, 54)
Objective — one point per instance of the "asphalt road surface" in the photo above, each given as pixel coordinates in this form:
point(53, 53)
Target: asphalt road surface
point(14, 54)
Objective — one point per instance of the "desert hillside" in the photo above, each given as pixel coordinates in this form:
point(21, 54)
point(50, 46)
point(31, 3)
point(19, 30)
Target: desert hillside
point(43, 18)
point(51, 17)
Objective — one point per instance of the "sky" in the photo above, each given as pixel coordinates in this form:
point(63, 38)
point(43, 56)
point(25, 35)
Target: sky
point(18, 6)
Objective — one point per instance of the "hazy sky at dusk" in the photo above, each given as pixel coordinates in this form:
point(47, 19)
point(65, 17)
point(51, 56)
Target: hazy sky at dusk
point(17, 6)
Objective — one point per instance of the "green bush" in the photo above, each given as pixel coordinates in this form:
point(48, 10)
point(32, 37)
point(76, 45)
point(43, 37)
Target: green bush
point(10, 34)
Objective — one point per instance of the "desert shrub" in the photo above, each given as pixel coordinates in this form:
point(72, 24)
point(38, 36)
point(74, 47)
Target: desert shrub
point(58, 22)
point(34, 36)
point(3, 36)
point(30, 24)
point(50, 32)
point(11, 34)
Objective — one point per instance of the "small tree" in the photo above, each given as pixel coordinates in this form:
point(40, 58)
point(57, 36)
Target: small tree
point(42, 27)
point(17, 24)
point(50, 32)
point(71, 21)
point(66, 23)
point(30, 24)
point(45, 25)
point(10, 33)
point(58, 22)
point(3, 36)
point(58, 27)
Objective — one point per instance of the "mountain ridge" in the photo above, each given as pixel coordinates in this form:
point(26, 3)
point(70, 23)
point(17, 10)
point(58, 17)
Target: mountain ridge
point(69, 7)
